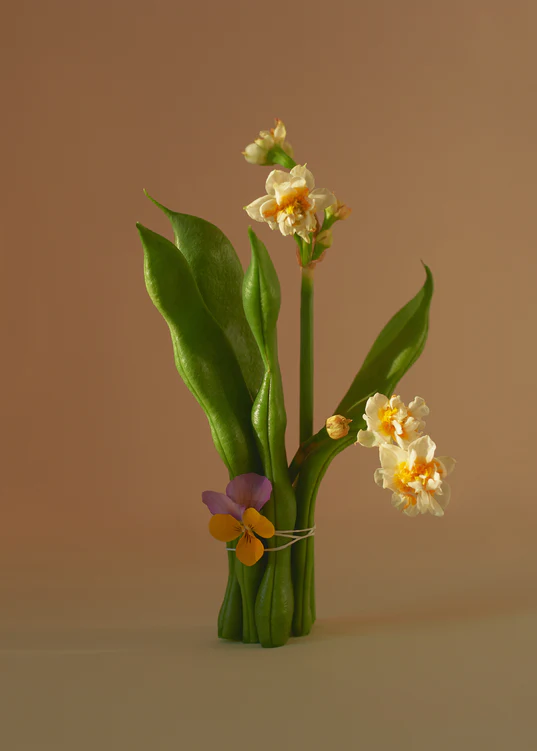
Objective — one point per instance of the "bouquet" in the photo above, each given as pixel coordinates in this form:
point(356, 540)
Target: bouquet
point(223, 326)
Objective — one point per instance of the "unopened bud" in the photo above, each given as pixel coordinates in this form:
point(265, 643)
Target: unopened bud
point(270, 147)
point(338, 211)
point(324, 238)
point(255, 153)
point(337, 426)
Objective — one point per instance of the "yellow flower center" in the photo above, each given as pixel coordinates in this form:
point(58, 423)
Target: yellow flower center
point(421, 471)
point(294, 202)
point(386, 421)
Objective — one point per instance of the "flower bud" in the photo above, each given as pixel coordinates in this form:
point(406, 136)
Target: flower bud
point(324, 239)
point(270, 147)
point(337, 426)
point(338, 211)
point(254, 153)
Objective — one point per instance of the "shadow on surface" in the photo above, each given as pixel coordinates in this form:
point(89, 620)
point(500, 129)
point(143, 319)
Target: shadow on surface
point(181, 638)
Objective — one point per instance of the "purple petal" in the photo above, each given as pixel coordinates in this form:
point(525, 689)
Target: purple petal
point(218, 503)
point(250, 490)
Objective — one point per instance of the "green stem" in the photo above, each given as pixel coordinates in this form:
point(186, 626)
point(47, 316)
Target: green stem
point(278, 156)
point(306, 354)
point(230, 615)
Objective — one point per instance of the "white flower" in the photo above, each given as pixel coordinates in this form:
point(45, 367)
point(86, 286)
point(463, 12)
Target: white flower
point(391, 421)
point(257, 152)
point(291, 202)
point(415, 477)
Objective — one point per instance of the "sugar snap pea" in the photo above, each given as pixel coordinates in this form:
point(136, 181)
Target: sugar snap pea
point(261, 296)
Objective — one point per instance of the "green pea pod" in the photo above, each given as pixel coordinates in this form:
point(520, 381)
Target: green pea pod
point(217, 271)
point(208, 365)
point(395, 350)
point(261, 296)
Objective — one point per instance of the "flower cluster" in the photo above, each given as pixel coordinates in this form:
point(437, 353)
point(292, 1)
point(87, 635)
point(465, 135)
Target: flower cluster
point(408, 464)
point(292, 201)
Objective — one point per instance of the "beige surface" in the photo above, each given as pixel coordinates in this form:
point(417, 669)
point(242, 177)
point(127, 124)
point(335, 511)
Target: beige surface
point(412, 685)
point(421, 116)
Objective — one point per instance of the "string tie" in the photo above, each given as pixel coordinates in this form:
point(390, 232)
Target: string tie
point(294, 535)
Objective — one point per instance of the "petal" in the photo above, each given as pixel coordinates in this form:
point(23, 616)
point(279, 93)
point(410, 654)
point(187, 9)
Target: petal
point(379, 477)
point(269, 210)
point(412, 426)
point(418, 408)
point(218, 503)
point(276, 177)
point(249, 549)
point(434, 507)
point(288, 149)
point(391, 456)
point(397, 403)
point(323, 198)
point(448, 464)
point(259, 524)
point(280, 132)
point(224, 527)
point(422, 448)
point(373, 406)
point(400, 501)
point(250, 490)
point(433, 483)
point(286, 226)
point(301, 171)
point(398, 427)
point(283, 191)
point(255, 154)
point(423, 501)
point(443, 495)
point(367, 438)
point(254, 209)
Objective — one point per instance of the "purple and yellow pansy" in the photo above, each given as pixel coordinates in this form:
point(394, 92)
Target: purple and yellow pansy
point(236, 513)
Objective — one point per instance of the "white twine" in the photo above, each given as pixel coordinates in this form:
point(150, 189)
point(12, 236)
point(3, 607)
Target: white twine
point(292, 534)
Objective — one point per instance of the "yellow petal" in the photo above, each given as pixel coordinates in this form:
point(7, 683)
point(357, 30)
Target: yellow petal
point(249, 549)
point(224, 527)
point(259, 524)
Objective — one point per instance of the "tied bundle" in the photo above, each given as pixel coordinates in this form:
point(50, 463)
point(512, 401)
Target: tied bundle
point(223, 326)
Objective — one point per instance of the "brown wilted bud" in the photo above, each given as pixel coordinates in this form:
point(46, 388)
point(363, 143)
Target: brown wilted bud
point(337, 426)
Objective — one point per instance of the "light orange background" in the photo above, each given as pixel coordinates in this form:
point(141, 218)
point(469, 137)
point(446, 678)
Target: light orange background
point(422, 117)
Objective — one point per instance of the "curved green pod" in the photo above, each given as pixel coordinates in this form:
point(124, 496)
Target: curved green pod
point(218, 273)
point(206, 361)
point(275, 598)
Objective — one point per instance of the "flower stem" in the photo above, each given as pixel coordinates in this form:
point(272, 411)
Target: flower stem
point(278, 156)
point(230, 616)
point(306, 354)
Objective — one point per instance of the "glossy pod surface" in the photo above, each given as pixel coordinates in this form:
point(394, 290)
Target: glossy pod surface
point(207, 362)
point(275, 598)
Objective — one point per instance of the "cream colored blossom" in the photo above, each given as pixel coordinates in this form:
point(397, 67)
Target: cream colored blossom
point(291, 202)
point(415, 477)
point(391, 421)
point(257, 152)
point(337, 426)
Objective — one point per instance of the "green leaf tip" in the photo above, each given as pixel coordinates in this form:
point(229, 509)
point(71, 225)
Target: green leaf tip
point(160, 206)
